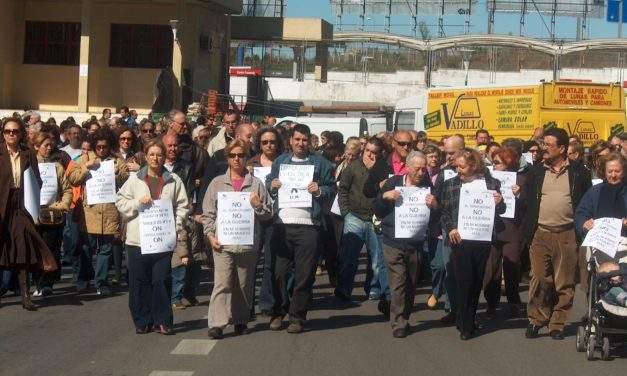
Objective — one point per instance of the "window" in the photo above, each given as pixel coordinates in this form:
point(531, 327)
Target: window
point(141, 46)
point(52, 43)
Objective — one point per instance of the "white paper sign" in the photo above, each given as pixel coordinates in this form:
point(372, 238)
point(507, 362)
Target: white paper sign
point(605, 235)
point(528, 157)
point(597, 181)
point(294, 181)
point(335, 208)
point(261, 173)
point(449, 174)
point(50, 186)
point(475, 220)
point(31, 194)
point(411, 214)
point(157, 228)
point(83, 70)
point(507, 179)
point(100, 187)
point(235, 219)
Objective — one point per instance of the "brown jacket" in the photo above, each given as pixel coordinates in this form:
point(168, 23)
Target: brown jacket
point(99, 219)
point(64, 190)
point(27, 159)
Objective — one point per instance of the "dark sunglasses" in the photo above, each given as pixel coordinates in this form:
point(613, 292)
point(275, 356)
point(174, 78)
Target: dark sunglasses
point(11, 131)
point(266, 142)
point(148, 131)
point(403, 144)
point(238, 155)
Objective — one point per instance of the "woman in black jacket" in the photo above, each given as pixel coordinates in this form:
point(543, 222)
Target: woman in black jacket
point(468, 257)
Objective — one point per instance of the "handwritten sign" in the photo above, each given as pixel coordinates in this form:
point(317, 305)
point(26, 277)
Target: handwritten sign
point(335, 208)
point(411, 214)
point(261, 173)
point(597, 181)
point(294, 180)
point(235, 219)
point(50, 184)
point(528, 157)
point(31, 194)
point(100, 187)
point(157, 228)
point(475, 220)
point(449, 174)
point(605, 235)
point(507, 179)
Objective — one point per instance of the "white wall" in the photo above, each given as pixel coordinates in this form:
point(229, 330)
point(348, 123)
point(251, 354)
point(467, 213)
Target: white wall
point(388, 88)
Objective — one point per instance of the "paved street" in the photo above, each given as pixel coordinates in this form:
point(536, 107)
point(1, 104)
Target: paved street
point(89, 335)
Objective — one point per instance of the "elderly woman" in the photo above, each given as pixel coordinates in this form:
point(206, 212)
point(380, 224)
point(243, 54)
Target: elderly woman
point(99, 223)
point(21, 247)
point(402, 255)
point(233, 264)
point(597, 151)
point(52, 213)
point(468, 257)
point(149, 273)
point(607, 199)
point(504, 260)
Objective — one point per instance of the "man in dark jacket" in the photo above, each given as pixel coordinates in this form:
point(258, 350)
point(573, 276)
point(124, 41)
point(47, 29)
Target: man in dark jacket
point(296, 231)
point(553, 191)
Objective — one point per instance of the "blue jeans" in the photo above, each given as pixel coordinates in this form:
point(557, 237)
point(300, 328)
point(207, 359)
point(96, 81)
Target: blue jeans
point(70, 234)
point(438, 273)
point(102, 246)
point(178, 283)
point(356, 233)
point(449, 279)
point(266, 295)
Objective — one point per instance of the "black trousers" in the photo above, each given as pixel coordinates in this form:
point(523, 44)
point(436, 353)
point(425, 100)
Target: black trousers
point(295, 247)
point(150, 287)
point(52, 235)
point(468, 261)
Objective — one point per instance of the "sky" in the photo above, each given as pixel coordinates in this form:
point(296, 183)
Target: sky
point(504, 23)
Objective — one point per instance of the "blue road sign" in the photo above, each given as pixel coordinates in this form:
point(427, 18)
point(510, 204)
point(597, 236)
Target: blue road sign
point(613, 7)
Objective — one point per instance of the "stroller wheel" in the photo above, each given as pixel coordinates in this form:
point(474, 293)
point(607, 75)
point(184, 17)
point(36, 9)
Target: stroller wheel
point(580, 340)
point(592, 340)
point(605, 350)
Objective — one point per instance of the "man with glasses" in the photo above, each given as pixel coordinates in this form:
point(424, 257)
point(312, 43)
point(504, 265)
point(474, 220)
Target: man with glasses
point(146, 131)
point(553, 190)
point(230, 121)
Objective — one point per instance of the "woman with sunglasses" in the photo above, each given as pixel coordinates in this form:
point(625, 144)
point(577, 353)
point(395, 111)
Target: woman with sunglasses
point(234, 265)
point(269, 145)
point(22, 248)
point(504, 261)
point(150, 273)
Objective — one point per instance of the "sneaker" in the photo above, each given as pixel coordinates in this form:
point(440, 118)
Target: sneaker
point(295, 328)
point(399, 333)
point(373, 296)
point(46, 291)
point(37, 293)
point(103, 290)
point(178, 305)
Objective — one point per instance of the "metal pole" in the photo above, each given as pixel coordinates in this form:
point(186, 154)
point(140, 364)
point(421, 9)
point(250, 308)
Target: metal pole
point(441, 21)
point(467, 31)
point(620, 19)
point(523, 11)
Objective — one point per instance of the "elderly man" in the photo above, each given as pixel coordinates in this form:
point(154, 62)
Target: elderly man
point(243, 132)
point(230, 121)
point(553, 190)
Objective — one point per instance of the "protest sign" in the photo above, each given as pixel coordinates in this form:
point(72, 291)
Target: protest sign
point(261, 173)
point(100, 187)
point(50, 183)
point(605, 235)
point(507, 179)
point(31, 194)
point(294, 180)
point(475, 219)
point(157, 227)
point(235, 223)
point(411, 214)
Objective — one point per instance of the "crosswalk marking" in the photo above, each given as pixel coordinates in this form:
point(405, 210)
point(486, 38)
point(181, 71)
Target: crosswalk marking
point(171, 373)
point(194, 347)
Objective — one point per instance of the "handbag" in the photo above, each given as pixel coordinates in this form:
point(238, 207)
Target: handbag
point(50, 217)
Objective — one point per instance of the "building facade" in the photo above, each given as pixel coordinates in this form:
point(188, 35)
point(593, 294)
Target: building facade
point(87, 55)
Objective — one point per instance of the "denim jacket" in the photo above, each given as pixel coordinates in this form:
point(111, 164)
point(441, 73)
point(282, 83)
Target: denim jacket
point(323, 175)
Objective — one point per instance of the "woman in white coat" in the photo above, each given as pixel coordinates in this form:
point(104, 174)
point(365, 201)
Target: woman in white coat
point(149, 273)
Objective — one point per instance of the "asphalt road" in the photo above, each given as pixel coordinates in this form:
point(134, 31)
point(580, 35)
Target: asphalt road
point(88, 335)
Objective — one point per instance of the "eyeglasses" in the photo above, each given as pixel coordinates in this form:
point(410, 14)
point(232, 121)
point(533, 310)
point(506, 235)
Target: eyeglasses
point(266, 142)
point(148, 131)
point(238, 155)
point(403, 144)
point(12, 131)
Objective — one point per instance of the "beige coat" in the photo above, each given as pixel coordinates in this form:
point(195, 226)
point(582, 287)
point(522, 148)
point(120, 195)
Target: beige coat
point(223, 183)
point(99, 219)
point(64, 190)
point(128, 204)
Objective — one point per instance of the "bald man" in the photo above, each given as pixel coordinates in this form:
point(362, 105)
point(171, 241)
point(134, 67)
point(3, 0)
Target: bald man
point(243, 132)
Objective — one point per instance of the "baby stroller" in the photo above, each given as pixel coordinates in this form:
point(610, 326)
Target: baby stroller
point(605, 320)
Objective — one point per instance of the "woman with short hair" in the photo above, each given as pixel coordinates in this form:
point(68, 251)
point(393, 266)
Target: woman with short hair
point(149, 274)
point(234, 265)
point(468, 257)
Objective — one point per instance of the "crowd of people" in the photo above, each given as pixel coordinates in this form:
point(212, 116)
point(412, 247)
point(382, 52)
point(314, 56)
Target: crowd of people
point(356, 187)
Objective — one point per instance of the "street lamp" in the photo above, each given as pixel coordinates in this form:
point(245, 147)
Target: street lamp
point(175, 24)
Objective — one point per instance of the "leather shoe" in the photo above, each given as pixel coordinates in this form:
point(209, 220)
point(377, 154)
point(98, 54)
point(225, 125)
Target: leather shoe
point(532, 331)
point(464, 336)
point(144, 330)
point(399, 333)
point(295, 328)
point(276, 323)
point(557, 334)
point(241, 329)
point(215, 333)
point(449, 318)
point(384, 308)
